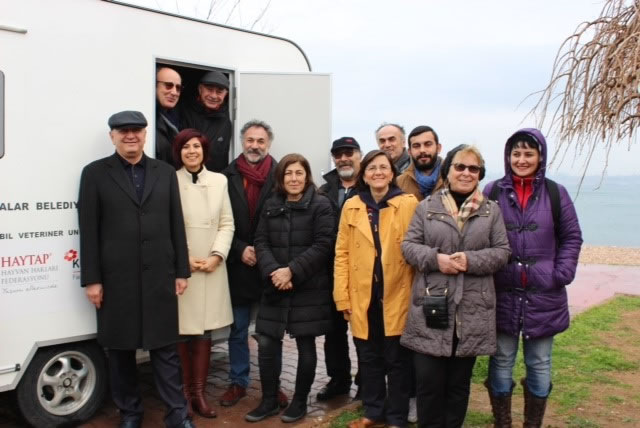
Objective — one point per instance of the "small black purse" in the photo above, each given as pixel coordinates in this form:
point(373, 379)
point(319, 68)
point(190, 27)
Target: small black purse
point(436, 311)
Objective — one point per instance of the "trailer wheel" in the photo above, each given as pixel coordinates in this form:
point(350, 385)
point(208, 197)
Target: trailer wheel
point(63, 385)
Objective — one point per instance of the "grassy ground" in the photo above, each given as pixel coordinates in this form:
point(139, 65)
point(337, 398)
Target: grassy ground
point(596, 379)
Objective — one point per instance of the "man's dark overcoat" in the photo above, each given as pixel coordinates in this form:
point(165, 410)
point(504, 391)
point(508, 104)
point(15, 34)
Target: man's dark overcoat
point(135, 250)
point(245, 284)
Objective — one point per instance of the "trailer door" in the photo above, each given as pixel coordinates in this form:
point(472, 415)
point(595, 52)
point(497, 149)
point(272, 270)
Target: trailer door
point(298, 108)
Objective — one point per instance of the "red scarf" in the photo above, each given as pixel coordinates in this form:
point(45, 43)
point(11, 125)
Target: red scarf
point(254, 177)
point(524, 189)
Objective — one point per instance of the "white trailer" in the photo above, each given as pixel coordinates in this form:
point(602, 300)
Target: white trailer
point(65, 66)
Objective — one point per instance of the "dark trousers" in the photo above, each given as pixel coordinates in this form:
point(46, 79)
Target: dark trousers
point(123, 376)
point(378, 356)
point(270, 362)
point(336, 350)
point(442, 389)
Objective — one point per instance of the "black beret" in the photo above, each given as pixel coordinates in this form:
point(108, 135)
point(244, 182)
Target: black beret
point(127, 119)
point(345, 143)
point(215, 78)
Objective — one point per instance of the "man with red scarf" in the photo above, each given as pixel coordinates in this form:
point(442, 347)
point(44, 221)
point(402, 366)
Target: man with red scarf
point(250, 178)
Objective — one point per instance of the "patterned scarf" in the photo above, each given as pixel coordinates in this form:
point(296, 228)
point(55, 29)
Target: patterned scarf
point(468, 207)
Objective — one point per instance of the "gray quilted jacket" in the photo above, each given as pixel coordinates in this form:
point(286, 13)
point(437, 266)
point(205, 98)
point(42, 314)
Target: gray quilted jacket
point(471, 296)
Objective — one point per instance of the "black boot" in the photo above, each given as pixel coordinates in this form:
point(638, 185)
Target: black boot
point(267, 407)
point(296, 410)
point(269, 363)
point(501, 408)
point(534, 408)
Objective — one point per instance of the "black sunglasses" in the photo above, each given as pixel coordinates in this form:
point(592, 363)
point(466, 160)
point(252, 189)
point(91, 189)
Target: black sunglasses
point(169, 86)
point(473, 169)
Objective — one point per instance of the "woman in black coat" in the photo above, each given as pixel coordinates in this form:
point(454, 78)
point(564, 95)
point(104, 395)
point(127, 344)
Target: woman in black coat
point(293, 245)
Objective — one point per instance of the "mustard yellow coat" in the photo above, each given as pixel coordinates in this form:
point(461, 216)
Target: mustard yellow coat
point(355, 254)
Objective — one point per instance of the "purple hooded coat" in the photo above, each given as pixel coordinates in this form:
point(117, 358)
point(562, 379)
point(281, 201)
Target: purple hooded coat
point(540, 308)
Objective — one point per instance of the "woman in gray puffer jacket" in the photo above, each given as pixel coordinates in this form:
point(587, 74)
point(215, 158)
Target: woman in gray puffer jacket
point(456, 242)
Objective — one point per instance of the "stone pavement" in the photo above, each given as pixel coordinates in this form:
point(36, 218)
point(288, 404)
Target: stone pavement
point(593, 285)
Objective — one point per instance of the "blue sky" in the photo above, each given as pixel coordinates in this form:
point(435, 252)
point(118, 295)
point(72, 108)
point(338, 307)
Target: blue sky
point(462, 67)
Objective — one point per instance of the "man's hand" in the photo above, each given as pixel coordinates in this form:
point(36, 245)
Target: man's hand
point(94, 294)
point(280, 277)
point(249, 256)
point(460, 261)
point(181, 285)
point(447, 265)
point(211, 263)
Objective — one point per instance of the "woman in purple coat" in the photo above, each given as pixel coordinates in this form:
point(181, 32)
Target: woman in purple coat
point(545, 240)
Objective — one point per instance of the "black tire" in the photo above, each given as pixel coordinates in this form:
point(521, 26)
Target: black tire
point(64, 385)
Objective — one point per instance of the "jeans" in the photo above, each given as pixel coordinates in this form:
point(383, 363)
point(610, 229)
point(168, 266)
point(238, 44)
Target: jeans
point(239, 346)
point(537, 359)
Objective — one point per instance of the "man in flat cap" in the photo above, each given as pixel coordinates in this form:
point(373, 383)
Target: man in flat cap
point(340, 185)
point(209, 114)
point(390, 139)
point(134, 264)
point(168, 90)
point(422, 178)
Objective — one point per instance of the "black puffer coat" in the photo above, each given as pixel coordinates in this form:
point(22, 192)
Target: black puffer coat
point(298, 235)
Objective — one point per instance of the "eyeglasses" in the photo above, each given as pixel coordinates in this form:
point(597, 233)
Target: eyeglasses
point(473, 169)
point(169, 86)
point(381, 168)
point(339, 153)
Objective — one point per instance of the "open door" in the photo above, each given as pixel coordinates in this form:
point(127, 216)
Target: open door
point(298, 108)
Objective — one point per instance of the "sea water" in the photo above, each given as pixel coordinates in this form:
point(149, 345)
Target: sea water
point(608, 208)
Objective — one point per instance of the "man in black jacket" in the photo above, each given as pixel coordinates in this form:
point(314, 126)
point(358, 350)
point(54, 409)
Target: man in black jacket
point(339, 186)
point(250, 184)
point(168, 90)
point(209, 114)
point(134, 264)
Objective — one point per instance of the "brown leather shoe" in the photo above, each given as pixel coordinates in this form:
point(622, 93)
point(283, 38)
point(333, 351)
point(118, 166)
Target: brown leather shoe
point(365, 423)
point(232, 395)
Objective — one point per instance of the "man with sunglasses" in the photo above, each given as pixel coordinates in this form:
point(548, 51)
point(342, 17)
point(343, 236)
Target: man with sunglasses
point(422, 178)
point(339, 186)
point(168, 90)
point(209, 114)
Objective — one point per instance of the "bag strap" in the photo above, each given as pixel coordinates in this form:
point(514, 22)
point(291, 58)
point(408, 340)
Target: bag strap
point(495, 191)
point(554, 196)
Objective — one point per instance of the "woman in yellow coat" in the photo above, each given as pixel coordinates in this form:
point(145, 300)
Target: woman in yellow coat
point(206, 304)
point(372, 283)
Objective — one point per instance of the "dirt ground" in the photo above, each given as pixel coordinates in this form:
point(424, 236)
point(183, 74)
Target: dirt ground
point(610, 405)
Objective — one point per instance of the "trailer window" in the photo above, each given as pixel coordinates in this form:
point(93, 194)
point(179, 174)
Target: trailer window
point(1, 114)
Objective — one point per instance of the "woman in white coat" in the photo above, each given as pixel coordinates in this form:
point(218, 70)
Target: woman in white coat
point(206, 304)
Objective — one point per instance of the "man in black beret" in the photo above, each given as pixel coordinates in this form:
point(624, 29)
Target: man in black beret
point(340, 185)
point(134, 264)
point(209, 114)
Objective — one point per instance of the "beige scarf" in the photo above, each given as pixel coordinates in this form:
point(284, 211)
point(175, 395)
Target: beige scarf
point(468, 207)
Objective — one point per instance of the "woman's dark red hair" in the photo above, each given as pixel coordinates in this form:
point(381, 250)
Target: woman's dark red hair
point(182, 138)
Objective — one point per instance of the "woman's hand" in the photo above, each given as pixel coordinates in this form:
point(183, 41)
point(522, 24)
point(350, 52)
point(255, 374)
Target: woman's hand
point(460, 261)
point(280, 277)
point(447, 265)
point(211, 263)
point(287, 286)
point(346, 314)
point(195, 264)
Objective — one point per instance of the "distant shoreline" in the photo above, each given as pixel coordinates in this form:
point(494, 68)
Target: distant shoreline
point(603, 255)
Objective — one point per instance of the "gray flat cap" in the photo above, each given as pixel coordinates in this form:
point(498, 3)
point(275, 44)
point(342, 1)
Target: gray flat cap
point(215, 78)
point(127, 119)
